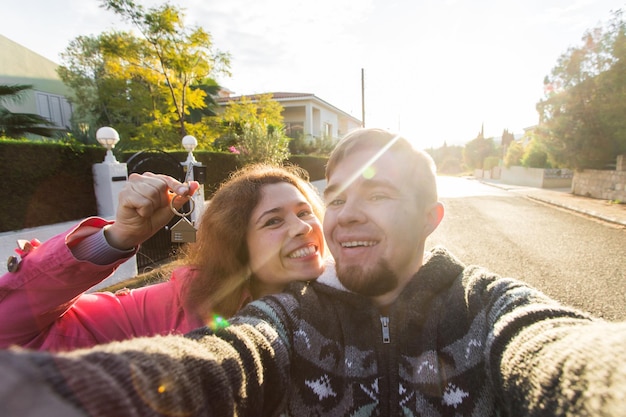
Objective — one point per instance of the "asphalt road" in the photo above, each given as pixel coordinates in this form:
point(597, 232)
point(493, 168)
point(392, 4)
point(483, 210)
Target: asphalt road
point(574, 259)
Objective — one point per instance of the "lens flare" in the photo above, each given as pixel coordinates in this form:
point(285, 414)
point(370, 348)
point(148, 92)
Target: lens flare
point(366, 171)
point(218, 322)
point(369, 172)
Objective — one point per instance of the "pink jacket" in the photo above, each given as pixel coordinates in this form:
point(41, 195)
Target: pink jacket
point(44, 306)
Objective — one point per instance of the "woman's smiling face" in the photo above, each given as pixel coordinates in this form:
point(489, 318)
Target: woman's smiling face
point(285, 239)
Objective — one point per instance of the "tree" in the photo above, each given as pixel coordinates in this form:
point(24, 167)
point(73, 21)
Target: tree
point(15, 125)
point(535, 155)
point(253, 128)
point(507, 138)
point(505, 142)
point(103, 93)
point(144, 86)
point(449, 159)
point(82, 70)
point(181, 56)
point(582, 123)
point(477, 150)
point(262, 111)
point(514, 154)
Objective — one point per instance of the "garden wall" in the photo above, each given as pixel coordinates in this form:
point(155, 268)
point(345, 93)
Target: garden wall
point(605, 185)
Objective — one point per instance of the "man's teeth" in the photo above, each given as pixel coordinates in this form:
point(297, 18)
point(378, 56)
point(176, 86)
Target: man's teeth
point(300, 253)
point(357, 243)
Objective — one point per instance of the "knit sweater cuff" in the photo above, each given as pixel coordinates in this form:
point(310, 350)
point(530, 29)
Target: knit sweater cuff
point(97, 250)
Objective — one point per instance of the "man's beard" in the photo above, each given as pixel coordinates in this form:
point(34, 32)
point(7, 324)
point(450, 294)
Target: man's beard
point(375, 281)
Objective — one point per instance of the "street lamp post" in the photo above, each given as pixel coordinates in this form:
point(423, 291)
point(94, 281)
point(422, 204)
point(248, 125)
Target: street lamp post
point(190, 143)
point(194, 171)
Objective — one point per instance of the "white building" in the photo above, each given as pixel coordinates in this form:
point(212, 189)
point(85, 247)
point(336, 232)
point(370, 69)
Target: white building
point(48, 97)
point(307, 115)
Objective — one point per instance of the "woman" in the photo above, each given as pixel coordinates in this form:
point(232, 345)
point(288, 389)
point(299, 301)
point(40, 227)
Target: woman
point(260, 231)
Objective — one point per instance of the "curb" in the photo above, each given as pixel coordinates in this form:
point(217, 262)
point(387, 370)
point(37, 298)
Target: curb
point(591, 213)
point(579, 210)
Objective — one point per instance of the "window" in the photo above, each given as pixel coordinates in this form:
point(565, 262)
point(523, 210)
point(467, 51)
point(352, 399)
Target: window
point(328, 130)
point(54, 108)
point(294, 129)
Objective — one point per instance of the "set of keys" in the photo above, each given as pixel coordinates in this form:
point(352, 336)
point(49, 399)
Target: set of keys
point(183, 231)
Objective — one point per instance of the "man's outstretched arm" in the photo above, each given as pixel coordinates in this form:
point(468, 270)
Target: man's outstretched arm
point(239, 373)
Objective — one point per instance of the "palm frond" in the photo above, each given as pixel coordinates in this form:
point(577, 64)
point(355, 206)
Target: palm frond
point(13, 92)
point(15, 125)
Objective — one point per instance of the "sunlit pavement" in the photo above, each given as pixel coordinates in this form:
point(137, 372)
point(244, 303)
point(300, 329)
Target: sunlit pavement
point(562, 197)
point(448, 187)
point(457, 187)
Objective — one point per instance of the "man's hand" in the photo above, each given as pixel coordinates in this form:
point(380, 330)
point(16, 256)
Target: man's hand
point(144, 208)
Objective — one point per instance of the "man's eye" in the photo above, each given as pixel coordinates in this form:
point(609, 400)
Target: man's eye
point(335, 202)
point(305, 213)
point(378, 197)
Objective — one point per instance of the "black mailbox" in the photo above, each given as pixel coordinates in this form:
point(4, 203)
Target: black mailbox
point(199, 173)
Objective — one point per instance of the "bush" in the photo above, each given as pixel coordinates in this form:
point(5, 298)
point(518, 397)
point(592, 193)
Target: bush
point(535, 156)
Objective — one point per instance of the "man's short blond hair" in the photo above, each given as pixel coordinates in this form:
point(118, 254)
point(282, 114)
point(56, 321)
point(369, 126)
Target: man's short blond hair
point(420, 169)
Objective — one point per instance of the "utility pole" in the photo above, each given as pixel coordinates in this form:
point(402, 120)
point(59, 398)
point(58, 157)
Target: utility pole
point(362, 97)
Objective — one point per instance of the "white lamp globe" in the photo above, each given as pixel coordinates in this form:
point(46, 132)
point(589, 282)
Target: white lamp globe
point(107, 137)
point(189, 143)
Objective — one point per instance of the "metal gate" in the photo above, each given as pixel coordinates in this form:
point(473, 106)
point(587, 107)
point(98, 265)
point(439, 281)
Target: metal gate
point(159, 247)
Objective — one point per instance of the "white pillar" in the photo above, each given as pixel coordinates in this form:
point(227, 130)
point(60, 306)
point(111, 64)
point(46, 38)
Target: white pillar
point(308, 121)
point(108, 181)
point(109, 177)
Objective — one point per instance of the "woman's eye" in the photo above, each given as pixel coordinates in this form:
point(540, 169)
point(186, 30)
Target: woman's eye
point(377, 197)
point(273, 221)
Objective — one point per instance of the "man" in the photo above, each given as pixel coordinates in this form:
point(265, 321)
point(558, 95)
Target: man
point(400, 333)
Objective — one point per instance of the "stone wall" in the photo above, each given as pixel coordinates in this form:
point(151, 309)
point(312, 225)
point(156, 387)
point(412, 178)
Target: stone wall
point(600, 184)
point(605, 185)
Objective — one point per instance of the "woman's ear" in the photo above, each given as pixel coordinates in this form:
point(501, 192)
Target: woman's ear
point(434, 215)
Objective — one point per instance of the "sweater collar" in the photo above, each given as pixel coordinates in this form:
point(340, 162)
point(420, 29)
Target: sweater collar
point(440, 268)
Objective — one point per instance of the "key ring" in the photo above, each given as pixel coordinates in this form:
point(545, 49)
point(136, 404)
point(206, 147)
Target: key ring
point(178, 213)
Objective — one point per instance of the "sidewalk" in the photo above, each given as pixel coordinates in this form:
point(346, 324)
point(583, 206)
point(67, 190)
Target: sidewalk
point(562, 197)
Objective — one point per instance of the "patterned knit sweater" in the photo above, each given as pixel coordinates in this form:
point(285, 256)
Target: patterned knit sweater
point(459, 341)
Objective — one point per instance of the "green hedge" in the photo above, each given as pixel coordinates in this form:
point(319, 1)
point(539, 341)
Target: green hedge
point(46, 183)
point(314, 165)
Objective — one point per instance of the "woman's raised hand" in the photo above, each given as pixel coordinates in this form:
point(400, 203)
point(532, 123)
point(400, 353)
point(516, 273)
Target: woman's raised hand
point(144, 208)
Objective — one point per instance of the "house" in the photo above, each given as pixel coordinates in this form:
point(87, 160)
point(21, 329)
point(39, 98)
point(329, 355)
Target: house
point(306, 115)
point(48, 97)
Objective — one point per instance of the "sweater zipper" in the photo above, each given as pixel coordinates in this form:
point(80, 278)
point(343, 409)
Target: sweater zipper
point(384, 322)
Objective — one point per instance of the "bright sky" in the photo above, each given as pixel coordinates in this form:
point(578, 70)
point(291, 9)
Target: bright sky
point(435, 70)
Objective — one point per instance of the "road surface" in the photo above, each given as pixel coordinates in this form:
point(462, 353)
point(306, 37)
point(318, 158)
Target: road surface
point(574, 259)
